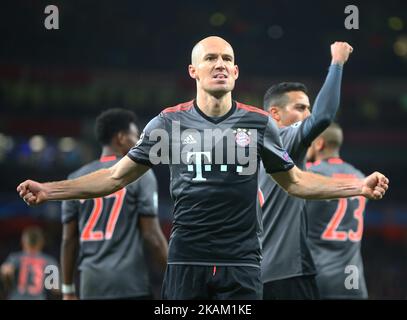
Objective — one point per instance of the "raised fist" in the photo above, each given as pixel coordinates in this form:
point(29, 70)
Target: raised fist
point(32, 192)
point(340, 52)
point(375, 186)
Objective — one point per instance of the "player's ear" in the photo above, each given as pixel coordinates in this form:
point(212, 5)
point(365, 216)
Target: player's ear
point(120, 138)
point(236, 72)
point(192, 71)
point(275, 113)
point(320, 144)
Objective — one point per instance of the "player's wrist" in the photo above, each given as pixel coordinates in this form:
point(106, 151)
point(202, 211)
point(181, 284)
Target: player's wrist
point(337, 62)
point(51, 191)
point(362, 187)
point(68, 289)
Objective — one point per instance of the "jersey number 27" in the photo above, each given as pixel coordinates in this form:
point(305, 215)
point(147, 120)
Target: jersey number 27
point(88, 233)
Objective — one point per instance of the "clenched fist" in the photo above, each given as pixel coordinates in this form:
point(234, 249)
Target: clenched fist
point(340, 52)
point(32, 192)
point(375, 186)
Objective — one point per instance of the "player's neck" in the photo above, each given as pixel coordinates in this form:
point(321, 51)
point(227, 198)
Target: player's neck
point(110, 151)
point(328, 155)
point(280, 124)
point(213, 106)
point(31, 251)
point(277, 122)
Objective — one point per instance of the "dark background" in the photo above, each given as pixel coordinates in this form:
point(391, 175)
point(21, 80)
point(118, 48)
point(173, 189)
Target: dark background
point(134, 55)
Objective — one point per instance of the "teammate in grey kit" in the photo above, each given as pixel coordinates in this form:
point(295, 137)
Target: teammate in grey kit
point(111, 230)
point(335, 227)
point(214, 250)
point(288, 271)
point(24, 272)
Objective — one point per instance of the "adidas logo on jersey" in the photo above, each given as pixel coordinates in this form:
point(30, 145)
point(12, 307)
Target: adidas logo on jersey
point(189, 140)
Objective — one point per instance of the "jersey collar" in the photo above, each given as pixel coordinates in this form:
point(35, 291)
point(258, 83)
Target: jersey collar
point(216, 119)
point(334, 160)
point(107, 158)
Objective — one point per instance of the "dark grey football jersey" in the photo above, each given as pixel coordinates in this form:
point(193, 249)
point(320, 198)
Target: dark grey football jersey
point(334, 237)
point(29, 275)
point(111, 257)
point(216, 217)
point(285, 250)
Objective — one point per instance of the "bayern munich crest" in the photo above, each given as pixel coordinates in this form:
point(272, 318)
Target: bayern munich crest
point(242, 137)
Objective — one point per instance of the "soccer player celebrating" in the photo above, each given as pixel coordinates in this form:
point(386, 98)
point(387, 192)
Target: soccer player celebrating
point(110, 231)
point(335, 227)
point(214, 250)
point(288, 271)
point(24, 272)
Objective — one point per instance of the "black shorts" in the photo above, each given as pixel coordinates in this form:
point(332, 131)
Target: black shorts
point(191, 282)
point(296, 288)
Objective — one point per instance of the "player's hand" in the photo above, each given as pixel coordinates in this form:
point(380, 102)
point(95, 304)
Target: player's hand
point(340, 52)
point(7, 270)
point(70, 296)
point(375, 186)
point(32, 192)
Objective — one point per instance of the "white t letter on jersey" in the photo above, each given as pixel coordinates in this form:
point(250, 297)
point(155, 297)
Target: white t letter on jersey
point(198, 163)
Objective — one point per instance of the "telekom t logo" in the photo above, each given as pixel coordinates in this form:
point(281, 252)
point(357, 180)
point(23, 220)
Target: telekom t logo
point(198, 164)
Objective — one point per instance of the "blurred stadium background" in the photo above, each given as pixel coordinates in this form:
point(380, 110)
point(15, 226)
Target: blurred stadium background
point(134, 55)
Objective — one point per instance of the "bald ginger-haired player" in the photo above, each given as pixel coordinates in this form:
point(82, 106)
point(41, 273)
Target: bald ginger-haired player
point(214, 249)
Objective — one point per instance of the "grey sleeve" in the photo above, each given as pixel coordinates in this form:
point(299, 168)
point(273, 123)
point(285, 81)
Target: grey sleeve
point(325, 106)
point(70, 210)
point(147, 195)
point(275, 158)
point(153, 133)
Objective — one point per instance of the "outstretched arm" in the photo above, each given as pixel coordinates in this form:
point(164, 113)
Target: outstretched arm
point(309, 185)
point(327, 102)
point(97, 184)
